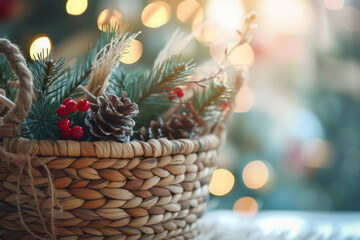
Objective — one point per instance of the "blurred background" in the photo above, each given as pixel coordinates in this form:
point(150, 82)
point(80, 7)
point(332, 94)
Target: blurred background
point(294, 139)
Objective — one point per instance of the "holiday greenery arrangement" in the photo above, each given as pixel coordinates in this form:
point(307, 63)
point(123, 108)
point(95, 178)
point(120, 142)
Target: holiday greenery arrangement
point(96, 152)
point(117, 103)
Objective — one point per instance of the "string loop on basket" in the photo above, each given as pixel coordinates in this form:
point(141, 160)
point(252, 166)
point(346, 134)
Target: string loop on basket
point(23, 162)
point(18, 113)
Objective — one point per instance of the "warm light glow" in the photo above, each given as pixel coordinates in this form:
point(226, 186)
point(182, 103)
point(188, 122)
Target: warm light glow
point(242, 55)
point(246, 206)
point(228, 14)
point(76, 7)
point(315, 153)
point(255, 174)
point(244, 99)
point(40, 45)
point(156, 14)
point(209, 34)
point(222, 182)
point(133, 53)
point(334, 4)
point(287, 17)
point(189, 11)
point(109, 17)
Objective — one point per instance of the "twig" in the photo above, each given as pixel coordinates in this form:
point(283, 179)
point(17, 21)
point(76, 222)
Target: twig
point(243, 39)
point(87, 92)
point(7, 102)
point(198, 118)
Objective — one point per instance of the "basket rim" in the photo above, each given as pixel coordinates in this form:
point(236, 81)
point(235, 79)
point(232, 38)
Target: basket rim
point(110, 149)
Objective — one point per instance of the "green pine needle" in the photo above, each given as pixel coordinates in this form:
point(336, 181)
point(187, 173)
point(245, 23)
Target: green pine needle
point(209, 102)
point(149, 89)
point(53, 82)
point(7, 77)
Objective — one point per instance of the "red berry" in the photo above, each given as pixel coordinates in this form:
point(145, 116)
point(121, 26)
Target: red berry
point(66, 134)
point(62, 111)
point(83, 105)
point(66, 100)
point(77, 132)
point(71, 106)
point(179, 92)
point(64, 124)
point(172, 95)
point(226, 106)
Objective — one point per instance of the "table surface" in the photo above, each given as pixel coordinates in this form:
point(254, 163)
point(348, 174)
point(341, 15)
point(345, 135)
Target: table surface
point(343, 225)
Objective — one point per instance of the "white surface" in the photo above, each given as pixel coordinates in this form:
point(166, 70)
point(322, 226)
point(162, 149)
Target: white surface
point(224, 224)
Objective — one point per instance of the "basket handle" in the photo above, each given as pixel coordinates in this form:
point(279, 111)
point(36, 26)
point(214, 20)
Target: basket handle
point(18, 113)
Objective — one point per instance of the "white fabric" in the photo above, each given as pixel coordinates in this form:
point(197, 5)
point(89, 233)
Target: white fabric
point(281, 225)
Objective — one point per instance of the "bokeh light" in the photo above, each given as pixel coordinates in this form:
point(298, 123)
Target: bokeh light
point(209, 34)
point(133, 53)
point(242, 55)
point(222, 182)
point(189, 11)
point(244, 99)
point(109, 17)
point(156, 14)
point(39, 45)
point(76, 7)
point(287, 17)
point(255, 174)
point(246, 206)
point(315, 153)
point(334, 4)
point(228, 14)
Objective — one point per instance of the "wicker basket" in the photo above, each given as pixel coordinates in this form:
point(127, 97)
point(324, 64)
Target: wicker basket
point(98, 190)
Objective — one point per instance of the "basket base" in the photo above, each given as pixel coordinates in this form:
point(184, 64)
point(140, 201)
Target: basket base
point(192, 231)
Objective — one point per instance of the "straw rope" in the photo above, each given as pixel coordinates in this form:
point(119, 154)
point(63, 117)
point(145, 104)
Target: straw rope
point(22, 161)
point(18, 64)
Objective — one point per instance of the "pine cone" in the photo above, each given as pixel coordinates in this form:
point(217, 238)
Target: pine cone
point(176, 127)
point(111, 117)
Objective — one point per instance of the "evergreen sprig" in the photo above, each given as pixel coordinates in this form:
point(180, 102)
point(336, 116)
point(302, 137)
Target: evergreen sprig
point(7, 79)
point(53, 82)
point(149, 89)
point(48, 76)
point(209, 102)
point(81, 72)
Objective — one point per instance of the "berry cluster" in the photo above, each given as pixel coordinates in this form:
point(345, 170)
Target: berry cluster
point(70, 106)
point(177, 92)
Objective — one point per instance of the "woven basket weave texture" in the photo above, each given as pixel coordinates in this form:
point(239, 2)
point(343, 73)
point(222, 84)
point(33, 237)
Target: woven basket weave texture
point(98, 190)
point(108, 190)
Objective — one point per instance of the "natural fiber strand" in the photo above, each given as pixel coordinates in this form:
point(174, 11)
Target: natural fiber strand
point(19, 66)
point(21, 160)
point(35, 195)
point(176, 44)
point(106, 61)
point(52, 193)
point(19, 206)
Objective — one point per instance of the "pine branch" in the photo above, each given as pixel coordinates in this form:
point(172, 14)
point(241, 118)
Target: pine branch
point(208, 103)
point(159, 81)
point(41, 122)
point(48, 77)
point(150, 88)
point(117, 81)
point(8, 79)
point(81, 72)
point(53, 82)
